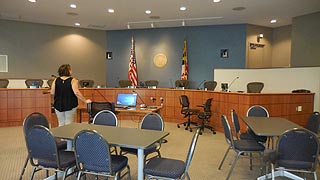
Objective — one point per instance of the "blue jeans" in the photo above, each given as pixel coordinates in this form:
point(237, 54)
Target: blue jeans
point(65, 117)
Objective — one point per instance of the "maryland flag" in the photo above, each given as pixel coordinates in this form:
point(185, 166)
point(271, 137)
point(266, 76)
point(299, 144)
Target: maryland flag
point(132, 72)
point(184, 68)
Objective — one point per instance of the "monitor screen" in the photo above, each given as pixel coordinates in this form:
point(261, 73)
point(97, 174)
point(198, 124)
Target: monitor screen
point(127, 100)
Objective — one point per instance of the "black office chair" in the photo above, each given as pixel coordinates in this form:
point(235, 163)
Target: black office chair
point(124, 83)
point(49, 82)
point(34, 82)
point(151, 121)
point(205, 116)
point(166, 168)
point(187, 112)
point(313, 122)
point(255, 87)
point(92, 152)
point(236, 125)
point(30, 121)
point(44, 154)
point(85, 83)
point(297, 151)
point(150, 83)
point(94, 107)
point(4, 83)
point(240, 147)
point(182, 83)
point(210, 85)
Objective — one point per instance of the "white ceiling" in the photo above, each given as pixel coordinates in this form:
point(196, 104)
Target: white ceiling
point(93, 13)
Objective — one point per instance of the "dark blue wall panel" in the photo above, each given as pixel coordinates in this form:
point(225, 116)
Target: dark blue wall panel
point(203, 43)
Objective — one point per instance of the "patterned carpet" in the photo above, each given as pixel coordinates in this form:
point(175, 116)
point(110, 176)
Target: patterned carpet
point(204, 166)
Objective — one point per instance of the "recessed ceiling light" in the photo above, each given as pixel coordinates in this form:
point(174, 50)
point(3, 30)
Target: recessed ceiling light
point(216, 1)
point(77, 24)
point(183, 8)
point(273, 21)
point(73, 6)
point(110, 10)
point(33, 1)
point(148, 12)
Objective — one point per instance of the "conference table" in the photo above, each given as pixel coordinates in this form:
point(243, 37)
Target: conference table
point(124, 137)
point(271, 127)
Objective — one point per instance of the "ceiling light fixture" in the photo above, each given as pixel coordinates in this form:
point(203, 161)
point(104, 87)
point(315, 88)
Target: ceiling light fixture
point(148, 12)
point(73, 6)
point(216, 1)
point(110, 10)
point(260, 36)
point(183, 8)
point(77, 24)
point(33, 1)
point(273, 21)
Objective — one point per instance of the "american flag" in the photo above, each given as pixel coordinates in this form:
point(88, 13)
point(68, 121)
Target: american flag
point(132, 73)
point(184, 68)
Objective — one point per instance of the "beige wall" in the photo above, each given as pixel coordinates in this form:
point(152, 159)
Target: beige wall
point(37, 50)
point(281, 47)
point(305, 40)
point(260, 57)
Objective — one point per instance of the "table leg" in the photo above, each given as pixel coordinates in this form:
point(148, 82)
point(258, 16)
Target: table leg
point(140, 164)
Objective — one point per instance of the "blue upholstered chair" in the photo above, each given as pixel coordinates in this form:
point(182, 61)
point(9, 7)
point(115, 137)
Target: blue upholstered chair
point(297, 151)
point(44, 153)
point(240, 146)
point(258, 111)
point(313, 122)
point(151, 121)
point(94, 107)
point(32, 120)
point(236, 125)
point(92, 152)
point(166, 168)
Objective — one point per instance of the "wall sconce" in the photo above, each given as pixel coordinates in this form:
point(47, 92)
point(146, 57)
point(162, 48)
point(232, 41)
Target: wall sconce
point(128, 26)
point(260, 36)
point(152, 25)
point(183, 23)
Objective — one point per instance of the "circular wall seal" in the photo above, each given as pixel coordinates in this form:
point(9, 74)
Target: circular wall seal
point(160, 60)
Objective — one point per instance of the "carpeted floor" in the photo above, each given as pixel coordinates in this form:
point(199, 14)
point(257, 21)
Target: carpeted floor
point(204, 166)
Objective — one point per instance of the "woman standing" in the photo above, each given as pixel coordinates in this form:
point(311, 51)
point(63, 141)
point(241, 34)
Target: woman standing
point(66, 93)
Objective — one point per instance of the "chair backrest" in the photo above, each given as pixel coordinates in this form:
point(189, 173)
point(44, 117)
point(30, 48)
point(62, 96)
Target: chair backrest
point(192, 148)
point(92, 152)
point(182, 83)
point(210, 85)
point(207, 105)
point(32, 120)
point(313, 122)
point(86, 83)
point(152, 121)
point(300, 147)
point(49, 82)
point(151, 83)
point(257, 111)
point(105, 117)
point(42, 146)
point(124, 83)
point(255, 87)
point(184, 102)
point(235, 122)
point(94, 107)
point(227, 130)
point(34, 82)
point(4, 83)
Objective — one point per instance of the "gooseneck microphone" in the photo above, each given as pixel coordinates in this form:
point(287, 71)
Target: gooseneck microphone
point(232, 82)
point(198, 87)
point(143, 105)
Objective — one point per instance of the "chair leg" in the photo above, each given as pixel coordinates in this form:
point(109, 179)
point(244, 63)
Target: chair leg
point(225, 155)
point(32, 174)
point(233, 165)
point(24, 167)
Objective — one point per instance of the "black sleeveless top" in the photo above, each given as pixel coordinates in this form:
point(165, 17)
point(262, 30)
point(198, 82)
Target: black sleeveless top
point(64, 97)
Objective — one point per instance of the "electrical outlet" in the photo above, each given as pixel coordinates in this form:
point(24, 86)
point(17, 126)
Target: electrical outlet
point(299, 108)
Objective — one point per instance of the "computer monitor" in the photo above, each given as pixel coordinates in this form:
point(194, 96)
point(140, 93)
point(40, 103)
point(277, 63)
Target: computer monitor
point(129, 100)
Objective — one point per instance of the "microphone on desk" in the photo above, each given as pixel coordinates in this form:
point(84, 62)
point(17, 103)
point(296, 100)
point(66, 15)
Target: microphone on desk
point(143, 105)
point(232, 82)
point(198, 87)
